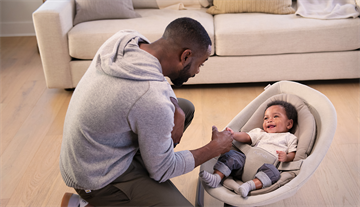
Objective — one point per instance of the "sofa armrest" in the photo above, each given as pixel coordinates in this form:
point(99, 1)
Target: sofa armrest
point(52, 22)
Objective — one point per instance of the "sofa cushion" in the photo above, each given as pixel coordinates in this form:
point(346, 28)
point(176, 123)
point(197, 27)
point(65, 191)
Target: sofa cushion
point(86, 38)
point(264, 34)
point(187, 3)
point(251, 6)
point(103, 9)
point(155, 4)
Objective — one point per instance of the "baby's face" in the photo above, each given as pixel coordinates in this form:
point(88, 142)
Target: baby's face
point(276, 121)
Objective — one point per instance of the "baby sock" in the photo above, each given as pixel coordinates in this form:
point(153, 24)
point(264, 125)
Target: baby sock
point(245, 188)
point(211, 180)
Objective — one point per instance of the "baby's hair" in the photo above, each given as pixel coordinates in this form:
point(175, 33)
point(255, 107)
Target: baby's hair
point(290, 110)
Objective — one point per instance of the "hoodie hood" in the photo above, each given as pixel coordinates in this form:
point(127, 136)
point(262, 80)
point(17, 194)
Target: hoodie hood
point(121, 57)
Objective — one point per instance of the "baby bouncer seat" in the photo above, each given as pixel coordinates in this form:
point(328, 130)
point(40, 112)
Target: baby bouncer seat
point(315, 131)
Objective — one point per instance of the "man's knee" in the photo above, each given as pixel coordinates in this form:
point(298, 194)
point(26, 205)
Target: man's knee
point(189, 110)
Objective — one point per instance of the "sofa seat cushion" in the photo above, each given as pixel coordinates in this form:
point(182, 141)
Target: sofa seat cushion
point(87, 37)
point(266, 34)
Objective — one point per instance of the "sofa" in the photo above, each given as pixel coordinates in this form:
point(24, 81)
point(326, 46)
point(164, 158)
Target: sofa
point(246, 46)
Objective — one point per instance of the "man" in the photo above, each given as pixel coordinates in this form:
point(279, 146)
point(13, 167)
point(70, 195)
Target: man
point(124, 119)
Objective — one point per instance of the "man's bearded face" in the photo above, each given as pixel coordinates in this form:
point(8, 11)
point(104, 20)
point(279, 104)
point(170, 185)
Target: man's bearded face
point(183, 76)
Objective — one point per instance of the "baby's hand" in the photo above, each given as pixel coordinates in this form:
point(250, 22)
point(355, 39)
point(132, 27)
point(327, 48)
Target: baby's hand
point(230, 130)
point(281, 156)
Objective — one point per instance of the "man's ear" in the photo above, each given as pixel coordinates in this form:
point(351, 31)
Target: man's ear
point(186, 56)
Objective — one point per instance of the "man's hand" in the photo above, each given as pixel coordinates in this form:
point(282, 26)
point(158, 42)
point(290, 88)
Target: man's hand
point(221, 142)
point(222, 139)
point(179, 121)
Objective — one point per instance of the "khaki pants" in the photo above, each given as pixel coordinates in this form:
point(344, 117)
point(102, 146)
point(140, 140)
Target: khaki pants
point(136, 188)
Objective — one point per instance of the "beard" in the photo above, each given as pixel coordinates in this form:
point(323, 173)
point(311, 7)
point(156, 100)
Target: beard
point(184, 76)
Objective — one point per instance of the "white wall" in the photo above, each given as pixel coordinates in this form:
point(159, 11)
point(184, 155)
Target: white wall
point(16, 17)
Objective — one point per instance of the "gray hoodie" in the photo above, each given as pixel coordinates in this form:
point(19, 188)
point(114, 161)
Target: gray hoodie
point(121, 105)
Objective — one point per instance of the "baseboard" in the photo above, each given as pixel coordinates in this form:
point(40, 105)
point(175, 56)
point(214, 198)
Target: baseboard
point(17, 29)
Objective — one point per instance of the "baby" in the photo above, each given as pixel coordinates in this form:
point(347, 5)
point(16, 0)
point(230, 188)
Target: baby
point(279, 119)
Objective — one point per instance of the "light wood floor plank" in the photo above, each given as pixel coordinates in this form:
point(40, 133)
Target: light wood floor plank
point(311, 192)
point(57, 126)
point(42, 171)
point(352, 159)
point(17, 156)
point(344, 191)
point(19, 68)
point(57, 190)
point(18, 109)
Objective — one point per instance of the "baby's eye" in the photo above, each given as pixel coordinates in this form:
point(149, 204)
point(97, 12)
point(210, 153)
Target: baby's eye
point(276, 116)
point(265, 118)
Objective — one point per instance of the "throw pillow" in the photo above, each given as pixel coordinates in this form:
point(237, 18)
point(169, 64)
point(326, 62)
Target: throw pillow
point(145, 4)
point(87, 10)
point(253, 6)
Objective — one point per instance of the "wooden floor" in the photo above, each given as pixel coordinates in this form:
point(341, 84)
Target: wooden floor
point(32, 119)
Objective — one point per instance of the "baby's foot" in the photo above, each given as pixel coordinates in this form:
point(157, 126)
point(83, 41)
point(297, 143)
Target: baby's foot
point(245, 188)
point(212, 180)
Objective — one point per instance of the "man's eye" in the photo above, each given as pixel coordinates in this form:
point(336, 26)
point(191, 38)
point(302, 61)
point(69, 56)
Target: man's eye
point(202, 65)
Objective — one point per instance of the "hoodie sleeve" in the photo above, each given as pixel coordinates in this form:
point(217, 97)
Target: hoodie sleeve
point(152, 119)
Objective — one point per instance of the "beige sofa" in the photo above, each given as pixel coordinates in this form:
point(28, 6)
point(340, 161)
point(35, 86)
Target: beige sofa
point(247, 47)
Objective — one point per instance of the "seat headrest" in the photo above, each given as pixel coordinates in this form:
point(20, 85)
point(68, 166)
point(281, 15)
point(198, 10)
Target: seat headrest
point(305, 130)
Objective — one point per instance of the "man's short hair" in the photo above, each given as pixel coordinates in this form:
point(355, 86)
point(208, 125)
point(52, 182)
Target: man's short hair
point(290, 110)
point(187, 31)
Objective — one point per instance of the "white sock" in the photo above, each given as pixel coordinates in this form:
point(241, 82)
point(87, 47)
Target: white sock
point(212, 180)
point(245, 188)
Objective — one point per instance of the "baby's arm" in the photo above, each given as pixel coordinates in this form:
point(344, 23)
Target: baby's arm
point(283, 157)
point(240, 136)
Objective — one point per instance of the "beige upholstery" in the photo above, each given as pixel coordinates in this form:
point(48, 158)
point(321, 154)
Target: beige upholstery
point(255, 34)
point(325, 118)
point(247, 47)
point(252, 6)
point(52, 22)
point(84, 41)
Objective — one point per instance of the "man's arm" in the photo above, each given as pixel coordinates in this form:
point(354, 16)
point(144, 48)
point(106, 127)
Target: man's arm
point(220, 143)
point(179, 121)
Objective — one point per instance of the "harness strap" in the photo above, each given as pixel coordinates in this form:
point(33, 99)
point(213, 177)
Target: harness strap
point(286, 166)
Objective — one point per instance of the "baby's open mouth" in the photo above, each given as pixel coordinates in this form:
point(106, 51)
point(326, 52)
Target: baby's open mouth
point(271, 126)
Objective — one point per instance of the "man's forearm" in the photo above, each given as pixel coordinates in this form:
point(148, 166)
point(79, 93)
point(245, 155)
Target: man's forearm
point(205, 153)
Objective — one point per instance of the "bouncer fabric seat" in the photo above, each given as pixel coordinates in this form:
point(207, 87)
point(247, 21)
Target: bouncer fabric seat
point(315, 131)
